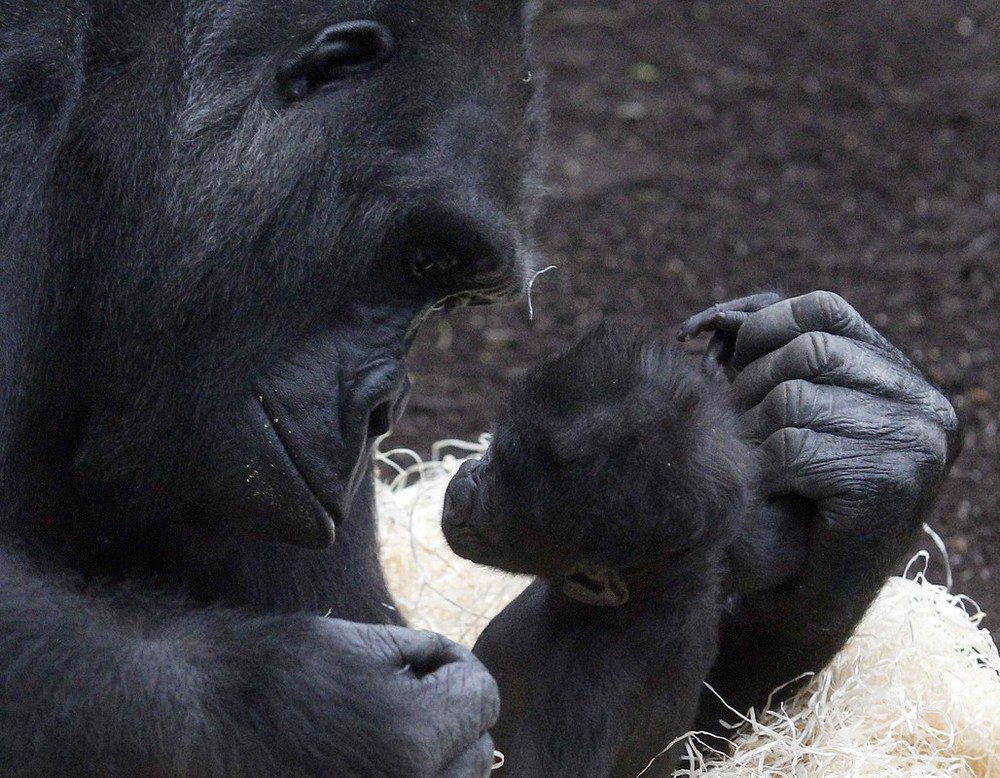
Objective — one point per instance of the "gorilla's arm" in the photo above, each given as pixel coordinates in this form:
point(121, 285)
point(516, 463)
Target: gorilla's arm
point(114, 683)
point(852, 428)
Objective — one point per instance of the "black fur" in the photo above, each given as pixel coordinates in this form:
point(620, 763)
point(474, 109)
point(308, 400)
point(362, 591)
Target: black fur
point(220, 225)
point(618, 476)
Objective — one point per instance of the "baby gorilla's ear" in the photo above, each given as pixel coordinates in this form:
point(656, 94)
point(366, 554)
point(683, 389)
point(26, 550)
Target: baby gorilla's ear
point(594, 584)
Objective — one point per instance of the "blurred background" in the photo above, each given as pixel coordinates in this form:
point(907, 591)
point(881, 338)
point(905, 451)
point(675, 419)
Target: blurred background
point(701, 150)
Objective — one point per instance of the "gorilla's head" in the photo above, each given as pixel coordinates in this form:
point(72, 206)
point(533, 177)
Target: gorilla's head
point(250, 207)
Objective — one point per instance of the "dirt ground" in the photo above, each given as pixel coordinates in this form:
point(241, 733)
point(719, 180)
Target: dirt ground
point(700, 150)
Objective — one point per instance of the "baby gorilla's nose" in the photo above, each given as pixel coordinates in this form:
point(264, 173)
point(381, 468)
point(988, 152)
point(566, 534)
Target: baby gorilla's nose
point(459, 496)
point(460, 518)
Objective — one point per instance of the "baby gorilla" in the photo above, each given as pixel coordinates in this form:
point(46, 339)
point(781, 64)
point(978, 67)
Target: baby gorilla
point(618, 477)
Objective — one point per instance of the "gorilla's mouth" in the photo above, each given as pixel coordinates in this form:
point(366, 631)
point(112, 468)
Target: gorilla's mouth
point(459, 515)
point(318, 419)
point(329, 504)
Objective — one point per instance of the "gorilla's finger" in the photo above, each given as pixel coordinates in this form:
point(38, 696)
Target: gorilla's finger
point(824, 358)
point(861, 487)
point(466, 700)
point(475, 762)
point(779, 324)
point(425, 652)
point(725, 316)
point(820, 466)
point(833, 409)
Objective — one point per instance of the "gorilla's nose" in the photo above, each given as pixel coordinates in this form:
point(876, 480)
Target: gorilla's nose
point(468, 251)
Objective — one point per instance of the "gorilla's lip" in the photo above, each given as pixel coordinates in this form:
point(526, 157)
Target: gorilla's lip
point(329, 506)
point(323, 454)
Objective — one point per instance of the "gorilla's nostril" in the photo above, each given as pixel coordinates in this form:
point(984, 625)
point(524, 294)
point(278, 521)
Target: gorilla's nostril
point(380, 390)
point(380, 420)
point(429, 261)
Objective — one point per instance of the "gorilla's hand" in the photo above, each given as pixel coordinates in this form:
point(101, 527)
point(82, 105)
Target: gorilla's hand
point(846, 419)
point(849, 425)
point(382, 701)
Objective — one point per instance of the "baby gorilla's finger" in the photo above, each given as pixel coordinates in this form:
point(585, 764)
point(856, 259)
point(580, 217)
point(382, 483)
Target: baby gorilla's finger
point(779, 324)
point(725, 316)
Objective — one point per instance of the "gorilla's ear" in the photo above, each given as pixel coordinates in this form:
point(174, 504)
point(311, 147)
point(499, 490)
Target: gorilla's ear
point(594, 584)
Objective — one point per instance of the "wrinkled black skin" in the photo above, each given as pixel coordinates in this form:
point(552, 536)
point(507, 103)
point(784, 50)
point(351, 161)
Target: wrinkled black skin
point(220, 225)
point(618, 457)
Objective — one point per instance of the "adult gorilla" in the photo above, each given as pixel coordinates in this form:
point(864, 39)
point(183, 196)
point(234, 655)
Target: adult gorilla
point(220, 224)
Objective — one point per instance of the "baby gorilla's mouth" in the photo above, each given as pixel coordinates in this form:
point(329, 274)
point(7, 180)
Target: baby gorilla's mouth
point(460, 518)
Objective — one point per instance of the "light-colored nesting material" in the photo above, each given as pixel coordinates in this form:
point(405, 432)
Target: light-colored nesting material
point(915, 692)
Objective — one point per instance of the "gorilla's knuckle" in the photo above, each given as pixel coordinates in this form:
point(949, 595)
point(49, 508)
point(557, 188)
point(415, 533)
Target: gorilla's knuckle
point(905, 477)
point(942, 417)
point(776, 409)
point(791, 444)
point(932, 443)
point(946, 415)
point(815, 352)
point(831, 302)
point(804, 406)
point(791, 394)
point(835, 310)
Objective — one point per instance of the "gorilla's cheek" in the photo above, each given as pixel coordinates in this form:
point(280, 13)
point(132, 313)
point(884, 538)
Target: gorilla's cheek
point(312, 420)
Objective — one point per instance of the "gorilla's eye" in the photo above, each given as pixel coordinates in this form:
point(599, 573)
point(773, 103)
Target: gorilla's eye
point(338, 51)
point(430, 261)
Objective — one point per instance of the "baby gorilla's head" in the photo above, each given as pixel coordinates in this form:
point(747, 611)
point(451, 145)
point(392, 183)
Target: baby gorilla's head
point(614, 458)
